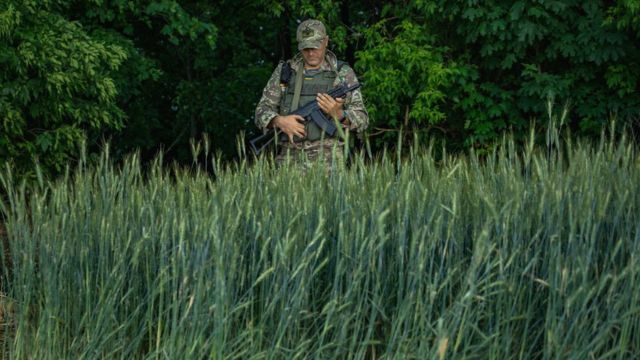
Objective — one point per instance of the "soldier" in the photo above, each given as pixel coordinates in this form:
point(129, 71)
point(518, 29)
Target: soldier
point(318, 70)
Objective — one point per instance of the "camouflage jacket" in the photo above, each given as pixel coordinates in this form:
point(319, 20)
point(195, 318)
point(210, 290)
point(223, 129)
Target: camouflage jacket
point(354, 110)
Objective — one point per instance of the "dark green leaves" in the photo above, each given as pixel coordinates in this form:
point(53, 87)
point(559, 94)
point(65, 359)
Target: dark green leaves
point(57, 83)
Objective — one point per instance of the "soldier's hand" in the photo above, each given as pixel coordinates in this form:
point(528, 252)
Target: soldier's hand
point(290, 125)
point(332, 107)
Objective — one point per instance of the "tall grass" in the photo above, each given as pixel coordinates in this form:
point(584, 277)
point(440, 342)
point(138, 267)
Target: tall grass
point(516, 254)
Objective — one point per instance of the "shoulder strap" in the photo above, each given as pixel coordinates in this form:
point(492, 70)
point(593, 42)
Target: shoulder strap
point(298, 89)
point(285, 73)
point(341, 64)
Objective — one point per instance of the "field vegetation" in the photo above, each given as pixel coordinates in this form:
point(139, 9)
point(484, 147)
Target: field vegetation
point(520, 253)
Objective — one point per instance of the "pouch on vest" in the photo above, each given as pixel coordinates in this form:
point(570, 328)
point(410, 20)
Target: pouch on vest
point(321, 82)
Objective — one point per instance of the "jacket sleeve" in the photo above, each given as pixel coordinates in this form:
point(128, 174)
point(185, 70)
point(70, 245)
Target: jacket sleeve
point(269, 104)
point(354, 108)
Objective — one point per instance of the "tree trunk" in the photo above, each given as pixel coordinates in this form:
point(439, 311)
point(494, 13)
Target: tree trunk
point(284, 35)
point(346, 21)
point(193, 126)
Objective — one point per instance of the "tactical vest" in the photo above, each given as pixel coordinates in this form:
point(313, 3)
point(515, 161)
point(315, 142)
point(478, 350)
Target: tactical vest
point(321, 82)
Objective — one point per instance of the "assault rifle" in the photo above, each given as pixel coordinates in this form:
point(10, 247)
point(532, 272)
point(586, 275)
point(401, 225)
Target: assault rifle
point(310, 112)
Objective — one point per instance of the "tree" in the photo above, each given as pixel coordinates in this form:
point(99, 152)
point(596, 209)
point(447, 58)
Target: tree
point(504, 61)
point(57, 85)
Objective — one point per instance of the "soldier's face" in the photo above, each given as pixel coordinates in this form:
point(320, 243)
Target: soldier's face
point(313, 57)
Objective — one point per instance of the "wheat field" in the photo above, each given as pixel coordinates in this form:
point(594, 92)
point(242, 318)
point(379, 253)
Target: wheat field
point(521, 253)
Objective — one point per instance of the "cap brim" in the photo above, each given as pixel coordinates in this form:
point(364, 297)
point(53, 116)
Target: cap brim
point(309, 44)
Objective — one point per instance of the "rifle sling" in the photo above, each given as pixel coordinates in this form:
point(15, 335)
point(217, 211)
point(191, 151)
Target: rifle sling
point(298, 89)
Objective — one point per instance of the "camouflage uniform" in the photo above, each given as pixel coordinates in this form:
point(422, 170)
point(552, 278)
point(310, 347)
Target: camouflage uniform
point(306, 152)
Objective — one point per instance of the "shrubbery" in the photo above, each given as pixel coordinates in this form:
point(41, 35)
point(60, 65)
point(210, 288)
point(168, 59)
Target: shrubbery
point(157, 74)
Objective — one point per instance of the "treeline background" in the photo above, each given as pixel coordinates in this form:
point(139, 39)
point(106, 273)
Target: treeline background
point(155, 75)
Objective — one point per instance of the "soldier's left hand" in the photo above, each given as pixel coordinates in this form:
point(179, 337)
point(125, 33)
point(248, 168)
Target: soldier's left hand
point(332, 107)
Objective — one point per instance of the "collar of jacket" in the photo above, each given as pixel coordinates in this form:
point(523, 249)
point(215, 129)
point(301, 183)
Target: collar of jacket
point(330, 62)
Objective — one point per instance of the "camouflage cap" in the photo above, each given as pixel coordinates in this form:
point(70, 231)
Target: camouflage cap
point(310, 34)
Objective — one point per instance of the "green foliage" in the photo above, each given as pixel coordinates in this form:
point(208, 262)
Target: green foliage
point(406, 78)
point(625, 15)
point(526, 51)
point(92, 78)
point(57, 85)
point(180, 25)
point(500, 62)
point(156, 74)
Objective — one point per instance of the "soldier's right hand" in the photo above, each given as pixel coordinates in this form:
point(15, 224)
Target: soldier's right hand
point(290, 125)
